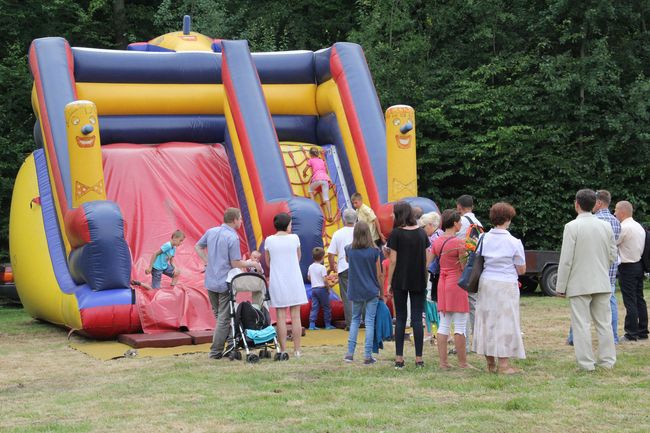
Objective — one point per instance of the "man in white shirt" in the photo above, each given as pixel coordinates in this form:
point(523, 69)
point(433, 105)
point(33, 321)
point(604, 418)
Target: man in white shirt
point(465, 206)
point(341, 239)
point(631, 243)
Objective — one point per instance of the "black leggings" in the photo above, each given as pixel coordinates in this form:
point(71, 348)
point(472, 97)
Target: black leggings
point(417, 308)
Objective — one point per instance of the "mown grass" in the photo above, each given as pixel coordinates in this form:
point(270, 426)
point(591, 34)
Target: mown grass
point(47, 387)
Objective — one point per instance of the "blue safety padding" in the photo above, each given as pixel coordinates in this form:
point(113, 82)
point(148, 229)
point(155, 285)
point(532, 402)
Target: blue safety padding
point(88, 298)
point(85, 296)
point(289, 67)
point(329, 133)
point(296, 128)
point(368, 109)
point(111, 66)
point(336, 179)
point(241, 196)
point(58, 90)
point(162, 129)
point(322, 65)
point(427, 205)
point(104, 262)
point(257, 121)
point(307, 223)
point(216, 46)
point(148, 47)
point(51, 224)
point(135, 66)
point(153, 129)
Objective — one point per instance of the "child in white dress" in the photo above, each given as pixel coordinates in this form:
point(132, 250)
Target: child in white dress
point(286, 286)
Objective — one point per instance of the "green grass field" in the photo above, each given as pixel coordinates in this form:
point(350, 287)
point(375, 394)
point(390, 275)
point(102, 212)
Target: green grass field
point(47, 387)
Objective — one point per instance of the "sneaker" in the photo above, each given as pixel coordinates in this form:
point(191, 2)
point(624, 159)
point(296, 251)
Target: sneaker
point(399, 365)
point(626, 340)
point(349, 358)
point(328, 327)
point(312, 327)
point(419, 364)
point(369, 361)
point(297, 354)
point(216, 356)
point(451, 351)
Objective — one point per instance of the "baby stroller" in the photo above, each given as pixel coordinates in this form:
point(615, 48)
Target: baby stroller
point(250, 327)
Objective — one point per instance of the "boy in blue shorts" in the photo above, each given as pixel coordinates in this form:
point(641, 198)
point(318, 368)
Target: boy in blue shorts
point(162, 262)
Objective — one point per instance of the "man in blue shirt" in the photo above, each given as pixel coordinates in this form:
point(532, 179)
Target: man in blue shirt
point(220, 252)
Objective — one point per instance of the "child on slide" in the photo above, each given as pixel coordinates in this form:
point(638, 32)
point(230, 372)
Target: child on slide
point(319, 178)
point(162, 262)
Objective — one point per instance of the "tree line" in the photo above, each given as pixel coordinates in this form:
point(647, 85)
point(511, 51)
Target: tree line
point(522, 100)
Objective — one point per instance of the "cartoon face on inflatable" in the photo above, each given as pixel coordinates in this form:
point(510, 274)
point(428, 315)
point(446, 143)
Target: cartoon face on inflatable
point(81, 120)
point(400, 123)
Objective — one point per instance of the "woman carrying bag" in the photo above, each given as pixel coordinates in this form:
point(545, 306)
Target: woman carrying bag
point(497, 332)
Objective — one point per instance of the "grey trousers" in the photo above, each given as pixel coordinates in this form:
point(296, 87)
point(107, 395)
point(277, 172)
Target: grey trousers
point(469, 330)
point(343, 288)
point(221, 310)
point(584, 310)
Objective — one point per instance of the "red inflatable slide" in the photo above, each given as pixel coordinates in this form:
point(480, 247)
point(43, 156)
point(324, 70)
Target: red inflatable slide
point(184, 186)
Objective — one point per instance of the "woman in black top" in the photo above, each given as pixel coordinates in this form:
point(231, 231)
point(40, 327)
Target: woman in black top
point(407, 275)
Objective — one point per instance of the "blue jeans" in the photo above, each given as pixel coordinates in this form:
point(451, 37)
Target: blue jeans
point(156, 275)
point(371, 312)
point(614, 306)
point(320, 297)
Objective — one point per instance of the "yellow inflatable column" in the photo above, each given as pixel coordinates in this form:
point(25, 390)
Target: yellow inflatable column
point(84, 150)
point(400, 151)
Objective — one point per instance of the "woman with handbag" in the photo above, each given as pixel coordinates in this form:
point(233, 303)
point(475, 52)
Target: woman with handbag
point(497, 333)
point(453, 305)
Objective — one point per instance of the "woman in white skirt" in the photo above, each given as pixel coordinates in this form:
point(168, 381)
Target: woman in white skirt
point(497, 332)
point(286, 286)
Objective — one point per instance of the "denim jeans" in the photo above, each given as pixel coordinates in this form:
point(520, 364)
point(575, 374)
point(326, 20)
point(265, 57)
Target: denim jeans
point(371, 311)
point(320, 297)
point(614, 306)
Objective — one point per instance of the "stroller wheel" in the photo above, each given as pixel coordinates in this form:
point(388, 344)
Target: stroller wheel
point(284, 356)
point(264, 353)
point(238, 355)
point(252, 358)
point(277, 357)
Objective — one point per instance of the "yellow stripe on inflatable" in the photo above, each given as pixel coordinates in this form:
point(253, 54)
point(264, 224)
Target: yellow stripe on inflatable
point(245, 178)
point(142, 99)
point(400, 152)
point(328, 100)
point(128, 98)
point(30, 259)
point(291, 98)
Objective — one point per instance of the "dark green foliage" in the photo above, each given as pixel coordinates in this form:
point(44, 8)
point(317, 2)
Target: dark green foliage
point(523, 100)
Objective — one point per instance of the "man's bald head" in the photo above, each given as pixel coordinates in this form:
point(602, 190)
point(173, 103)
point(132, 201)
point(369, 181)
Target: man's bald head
point(623, 210)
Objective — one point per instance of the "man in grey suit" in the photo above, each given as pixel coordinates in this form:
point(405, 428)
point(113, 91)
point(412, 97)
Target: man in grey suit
point(588, 251)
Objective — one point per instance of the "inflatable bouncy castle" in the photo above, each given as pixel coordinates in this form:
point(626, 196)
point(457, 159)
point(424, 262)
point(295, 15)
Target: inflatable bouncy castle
point(166, 135)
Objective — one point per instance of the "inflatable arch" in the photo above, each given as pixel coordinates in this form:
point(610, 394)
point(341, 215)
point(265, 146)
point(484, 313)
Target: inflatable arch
point(138, 143)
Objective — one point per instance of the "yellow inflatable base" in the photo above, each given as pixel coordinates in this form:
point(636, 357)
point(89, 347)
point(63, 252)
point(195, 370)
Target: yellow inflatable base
point(30, 258)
